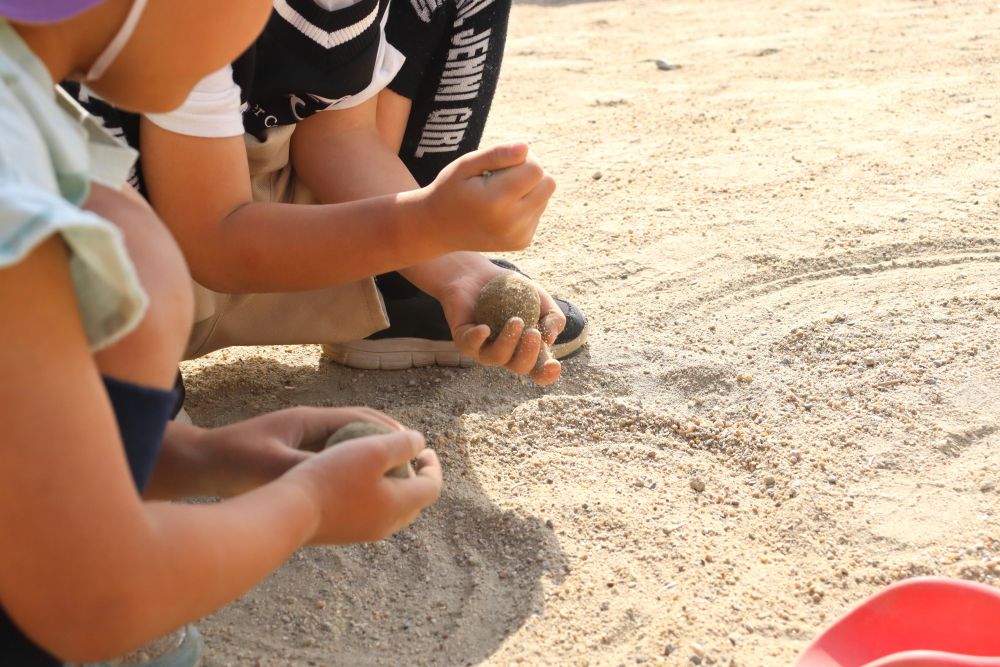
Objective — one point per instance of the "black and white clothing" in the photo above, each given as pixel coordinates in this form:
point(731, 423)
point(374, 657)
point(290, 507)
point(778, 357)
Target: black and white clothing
point(453, 49)
point(314, 55)
point(317, 55)
point(308, 59)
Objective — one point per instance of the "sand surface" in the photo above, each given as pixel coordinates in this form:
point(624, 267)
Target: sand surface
point(790, 254)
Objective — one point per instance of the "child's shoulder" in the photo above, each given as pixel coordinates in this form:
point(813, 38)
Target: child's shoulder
point(47, 163)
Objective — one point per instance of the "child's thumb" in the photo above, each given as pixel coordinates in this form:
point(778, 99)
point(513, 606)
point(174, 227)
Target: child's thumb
point(492, 159)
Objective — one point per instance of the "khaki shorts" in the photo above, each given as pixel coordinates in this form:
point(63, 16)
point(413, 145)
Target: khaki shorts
point(331, 315)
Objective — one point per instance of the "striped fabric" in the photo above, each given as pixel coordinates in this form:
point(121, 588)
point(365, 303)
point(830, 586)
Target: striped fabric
point(326, 39)
point(310, 59)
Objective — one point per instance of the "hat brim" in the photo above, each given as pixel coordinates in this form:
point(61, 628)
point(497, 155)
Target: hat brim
point(44, 11)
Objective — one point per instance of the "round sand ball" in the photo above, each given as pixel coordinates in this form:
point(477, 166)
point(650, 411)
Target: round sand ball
point(356, 430)
point(506, 296)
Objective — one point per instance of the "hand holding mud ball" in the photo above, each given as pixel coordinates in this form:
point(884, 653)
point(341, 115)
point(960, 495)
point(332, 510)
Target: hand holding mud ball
point(356, 430)
point(507, 296)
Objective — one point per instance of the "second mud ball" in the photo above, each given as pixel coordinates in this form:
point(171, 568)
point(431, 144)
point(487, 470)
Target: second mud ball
point(356, 430)
point(507, 296)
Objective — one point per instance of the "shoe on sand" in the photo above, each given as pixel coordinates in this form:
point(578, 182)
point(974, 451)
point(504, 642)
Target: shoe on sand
point(418, 333)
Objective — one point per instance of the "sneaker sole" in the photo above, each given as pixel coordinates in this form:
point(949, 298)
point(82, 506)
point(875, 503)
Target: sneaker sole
point(396, 354)
point(399, 354)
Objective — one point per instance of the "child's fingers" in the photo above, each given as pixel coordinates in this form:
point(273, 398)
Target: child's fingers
point(397, 449)
point(429, 468)
point(553, 320)
point(470, 338)
point(551, 325)
point(526, 354)
point(521, 181)
point(420, 491)
point(536, 200)
point(500, 351)
point(316, 424)
point(491, 159)
point(425, 458)
point(548, 373)
point(541, 191)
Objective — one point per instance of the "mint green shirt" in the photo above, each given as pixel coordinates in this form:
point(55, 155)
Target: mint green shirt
point(50, 152)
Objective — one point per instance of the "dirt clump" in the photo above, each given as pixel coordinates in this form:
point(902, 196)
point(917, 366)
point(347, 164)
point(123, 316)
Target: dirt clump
point(356, 430)
point(507, 296)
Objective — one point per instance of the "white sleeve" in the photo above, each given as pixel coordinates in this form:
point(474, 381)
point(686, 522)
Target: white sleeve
point(211, 110)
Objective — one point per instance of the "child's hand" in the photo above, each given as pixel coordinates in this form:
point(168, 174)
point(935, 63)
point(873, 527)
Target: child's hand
point(247, 454)
point(516, 349)
point(355, 501)
point(498, 211)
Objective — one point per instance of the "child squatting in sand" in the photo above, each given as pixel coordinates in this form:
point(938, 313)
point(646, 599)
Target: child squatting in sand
point(288, 254)
point(96, 310)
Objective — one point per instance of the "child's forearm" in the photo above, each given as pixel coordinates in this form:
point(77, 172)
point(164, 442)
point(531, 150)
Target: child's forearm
point(287, 247)
point(200, 187)
point(203, 556)
point(262, 247)
point(182, 563)
point(229, 460)
point(181, 469)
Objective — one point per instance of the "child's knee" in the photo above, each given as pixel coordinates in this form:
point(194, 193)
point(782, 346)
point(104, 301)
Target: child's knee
point(149, 354)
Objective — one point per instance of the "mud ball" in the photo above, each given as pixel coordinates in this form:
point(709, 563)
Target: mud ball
point(356, 430)
point(507, 296)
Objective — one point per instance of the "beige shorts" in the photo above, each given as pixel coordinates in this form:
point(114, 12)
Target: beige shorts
point(330, 315)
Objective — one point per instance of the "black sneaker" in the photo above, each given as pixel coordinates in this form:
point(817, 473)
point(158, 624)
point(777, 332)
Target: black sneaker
point(418, 333)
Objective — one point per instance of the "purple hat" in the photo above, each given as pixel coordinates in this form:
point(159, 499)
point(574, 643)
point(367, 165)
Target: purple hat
point(44, 11)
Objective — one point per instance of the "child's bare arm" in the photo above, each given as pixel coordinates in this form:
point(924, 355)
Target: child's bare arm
point(341, 157)
point(201, 189)
point(327, 152)
point(94, 571)
point(67, 502)
point(237, 458)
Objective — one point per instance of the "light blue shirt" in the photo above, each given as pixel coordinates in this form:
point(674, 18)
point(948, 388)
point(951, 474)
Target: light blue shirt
point(50, 152)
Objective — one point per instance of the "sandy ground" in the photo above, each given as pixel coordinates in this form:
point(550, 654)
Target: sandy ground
point(789, 250)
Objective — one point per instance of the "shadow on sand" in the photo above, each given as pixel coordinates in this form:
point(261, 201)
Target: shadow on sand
point(449, 589)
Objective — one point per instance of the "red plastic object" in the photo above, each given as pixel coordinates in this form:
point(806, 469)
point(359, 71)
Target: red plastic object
point(924, 622)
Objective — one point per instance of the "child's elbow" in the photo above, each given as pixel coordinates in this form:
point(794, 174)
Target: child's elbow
point(216, 277)
point(227, 270)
